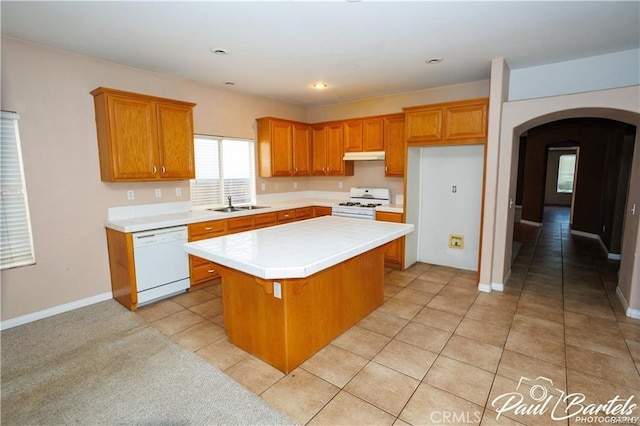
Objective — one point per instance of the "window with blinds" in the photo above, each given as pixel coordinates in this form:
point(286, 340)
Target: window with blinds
point(224, 167)
point(566, 172)
point(16, 241)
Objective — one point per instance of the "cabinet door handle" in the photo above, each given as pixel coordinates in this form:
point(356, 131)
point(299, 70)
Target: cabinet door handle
point(155, 169)
point(211, 271)
point(386, 168)
point(208, 228)
point(163, 170)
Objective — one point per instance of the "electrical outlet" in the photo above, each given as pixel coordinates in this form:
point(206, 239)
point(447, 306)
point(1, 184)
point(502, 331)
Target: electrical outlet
point(456, 241)
point(339, 185)
point(158, 193)
point(277, 290)
point(276, 186)
point(263, 186)
point(130, 194)
point(178, 192)
point(295, 185)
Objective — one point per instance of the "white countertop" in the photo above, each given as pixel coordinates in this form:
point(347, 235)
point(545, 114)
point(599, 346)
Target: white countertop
point(151, 221)
point(298, 249)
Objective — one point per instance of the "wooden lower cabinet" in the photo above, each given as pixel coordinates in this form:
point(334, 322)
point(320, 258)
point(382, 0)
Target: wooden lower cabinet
point(239, 224)
point(394, 251)
point(201, 270)
point(264, 220)
point(321, 211)
point(122, 268)
point(286, 216)
point(304, 213)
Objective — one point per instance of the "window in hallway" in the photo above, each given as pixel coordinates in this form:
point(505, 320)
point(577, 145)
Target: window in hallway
point(566, 172)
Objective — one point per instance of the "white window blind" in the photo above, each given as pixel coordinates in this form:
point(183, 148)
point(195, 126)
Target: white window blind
point(224, 167)
point(16, 241)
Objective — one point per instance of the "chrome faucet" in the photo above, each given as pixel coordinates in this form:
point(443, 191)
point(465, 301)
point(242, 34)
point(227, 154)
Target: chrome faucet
point(229, 198)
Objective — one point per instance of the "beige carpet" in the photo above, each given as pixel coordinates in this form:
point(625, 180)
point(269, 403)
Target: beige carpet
point(103, 365)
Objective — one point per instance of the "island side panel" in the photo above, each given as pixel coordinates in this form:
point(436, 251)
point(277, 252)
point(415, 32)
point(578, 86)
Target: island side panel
point(253, 317)
point(332, 301)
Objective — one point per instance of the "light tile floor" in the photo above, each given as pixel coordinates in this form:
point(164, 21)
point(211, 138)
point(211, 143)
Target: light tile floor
point(439, 352)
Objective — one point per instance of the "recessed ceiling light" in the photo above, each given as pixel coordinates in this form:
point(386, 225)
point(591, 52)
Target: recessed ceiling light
point(220, 51)
point(230, 83)
point(433, 61)
point(319, 85)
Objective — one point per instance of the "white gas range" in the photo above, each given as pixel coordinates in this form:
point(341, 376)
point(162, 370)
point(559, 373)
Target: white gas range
point(362, 203)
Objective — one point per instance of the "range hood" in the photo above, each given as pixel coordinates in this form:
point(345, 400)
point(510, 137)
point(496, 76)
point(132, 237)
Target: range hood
point(367, 155)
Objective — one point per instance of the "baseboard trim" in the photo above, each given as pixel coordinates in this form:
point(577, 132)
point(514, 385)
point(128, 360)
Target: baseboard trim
point(497, 286)
point(530, 223)
point(49, 312)
point(611, 256)
point(585, 234)
point(632, 313)
point(485, 288)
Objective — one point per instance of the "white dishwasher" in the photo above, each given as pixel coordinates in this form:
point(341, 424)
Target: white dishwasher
point(161, 264)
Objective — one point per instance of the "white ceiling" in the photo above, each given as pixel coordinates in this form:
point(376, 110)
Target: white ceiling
point(360, 49)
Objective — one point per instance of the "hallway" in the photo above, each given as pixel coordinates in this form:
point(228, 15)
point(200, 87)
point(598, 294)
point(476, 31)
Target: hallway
point(439, 352)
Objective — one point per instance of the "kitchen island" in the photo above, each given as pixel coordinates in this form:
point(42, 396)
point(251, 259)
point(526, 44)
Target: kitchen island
point(291, 289)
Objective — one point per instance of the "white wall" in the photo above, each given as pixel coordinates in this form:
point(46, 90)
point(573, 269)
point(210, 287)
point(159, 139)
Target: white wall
point(444, 212)
point(609, 71)
point(68, 202)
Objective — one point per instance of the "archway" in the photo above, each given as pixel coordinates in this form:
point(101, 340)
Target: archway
point(616, 104)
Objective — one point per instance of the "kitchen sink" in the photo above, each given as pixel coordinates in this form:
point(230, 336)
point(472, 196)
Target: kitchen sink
point(253, 207)
point(229, 209)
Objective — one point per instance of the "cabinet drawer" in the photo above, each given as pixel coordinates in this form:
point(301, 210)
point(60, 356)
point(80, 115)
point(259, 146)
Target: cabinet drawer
point(197, 261)
point(239, 224)
point(265, 219)
point(203, 272)
point(209, 229)
point(304, 213)
point(285, 216)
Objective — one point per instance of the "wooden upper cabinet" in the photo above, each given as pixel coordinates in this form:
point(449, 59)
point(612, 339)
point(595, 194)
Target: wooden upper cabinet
point(143, 138)
point(283, 147)
point(336, 166)
point(175, 135)
point(373, 134)
point(328, 150)
point(454, 123)
point(364, 135)
point(301, 150)
point(394, 146)
point(466, 122)
point(352, 130)
point(318, 150)
point(424, 125)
